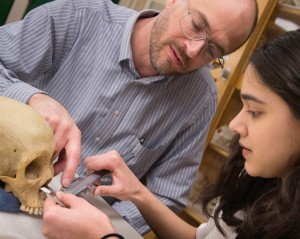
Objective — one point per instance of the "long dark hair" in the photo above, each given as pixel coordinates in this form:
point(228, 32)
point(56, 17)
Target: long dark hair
point(271, 207)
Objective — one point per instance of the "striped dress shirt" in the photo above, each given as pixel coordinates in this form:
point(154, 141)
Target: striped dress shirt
point(79, 53)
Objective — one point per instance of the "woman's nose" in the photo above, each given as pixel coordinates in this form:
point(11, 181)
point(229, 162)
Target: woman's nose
point(238, 126)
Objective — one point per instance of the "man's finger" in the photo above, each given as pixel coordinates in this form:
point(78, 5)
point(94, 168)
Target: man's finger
point(72, 160)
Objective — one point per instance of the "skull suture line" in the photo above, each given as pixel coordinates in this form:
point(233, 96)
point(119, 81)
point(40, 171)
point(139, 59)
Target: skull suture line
point(27, 150)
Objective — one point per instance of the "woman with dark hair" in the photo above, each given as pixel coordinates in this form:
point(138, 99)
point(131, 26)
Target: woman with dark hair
point(262, 177)
point(259, 187)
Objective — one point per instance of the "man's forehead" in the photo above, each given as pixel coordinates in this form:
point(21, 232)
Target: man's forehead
point(223, 22)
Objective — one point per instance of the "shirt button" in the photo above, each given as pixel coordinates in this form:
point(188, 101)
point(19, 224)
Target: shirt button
point(97, 139)
point(117, 113)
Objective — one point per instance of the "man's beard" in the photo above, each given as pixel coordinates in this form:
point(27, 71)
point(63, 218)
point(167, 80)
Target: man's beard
point(164, 67)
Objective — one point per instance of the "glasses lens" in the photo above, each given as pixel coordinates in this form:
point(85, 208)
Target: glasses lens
point(211, 54)
point(192, 29)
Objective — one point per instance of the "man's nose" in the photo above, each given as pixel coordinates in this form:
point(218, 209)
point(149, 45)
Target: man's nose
point(193, 48)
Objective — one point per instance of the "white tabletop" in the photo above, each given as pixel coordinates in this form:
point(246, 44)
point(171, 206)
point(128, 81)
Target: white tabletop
point(24, 226)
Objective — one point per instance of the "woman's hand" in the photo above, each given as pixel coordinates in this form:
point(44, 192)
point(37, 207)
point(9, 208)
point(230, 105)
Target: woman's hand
point(78, 220)
point(125, 185)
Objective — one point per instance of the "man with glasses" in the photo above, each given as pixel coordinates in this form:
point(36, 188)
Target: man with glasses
point(110, 78)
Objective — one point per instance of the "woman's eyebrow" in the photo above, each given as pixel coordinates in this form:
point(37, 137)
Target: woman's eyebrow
point(251, 98)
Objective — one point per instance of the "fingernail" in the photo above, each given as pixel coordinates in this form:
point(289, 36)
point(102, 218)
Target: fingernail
point(66, 182)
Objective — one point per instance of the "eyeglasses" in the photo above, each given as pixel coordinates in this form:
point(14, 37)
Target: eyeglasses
point(210, 55)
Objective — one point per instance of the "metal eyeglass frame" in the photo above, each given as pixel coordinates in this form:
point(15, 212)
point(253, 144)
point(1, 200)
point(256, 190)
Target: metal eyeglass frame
point(217, 62)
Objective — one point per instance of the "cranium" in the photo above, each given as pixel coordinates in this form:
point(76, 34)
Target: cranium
point(27, 150)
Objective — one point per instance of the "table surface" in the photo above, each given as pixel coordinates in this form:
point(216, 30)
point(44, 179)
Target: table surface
point(24, 226)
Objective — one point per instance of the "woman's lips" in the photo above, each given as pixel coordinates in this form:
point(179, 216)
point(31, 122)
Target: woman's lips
point(245, 151)
point(174, 56)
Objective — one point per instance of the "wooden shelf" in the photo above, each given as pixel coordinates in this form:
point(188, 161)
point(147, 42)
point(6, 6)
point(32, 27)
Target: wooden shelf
point(289, 12)
point(237, 62)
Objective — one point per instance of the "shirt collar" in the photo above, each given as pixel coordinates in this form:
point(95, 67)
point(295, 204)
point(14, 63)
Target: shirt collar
point(125, 48)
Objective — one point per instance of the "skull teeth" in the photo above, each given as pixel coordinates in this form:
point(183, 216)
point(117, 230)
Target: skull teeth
point(31, 210)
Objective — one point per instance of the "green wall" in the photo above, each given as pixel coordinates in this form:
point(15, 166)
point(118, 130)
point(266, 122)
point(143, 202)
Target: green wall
point(5, 6)
point(35, 3)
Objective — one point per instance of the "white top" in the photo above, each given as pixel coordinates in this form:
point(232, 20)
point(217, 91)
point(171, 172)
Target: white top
point(209, 230)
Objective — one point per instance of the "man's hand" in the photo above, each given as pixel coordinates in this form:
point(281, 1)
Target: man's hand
point(125, 185)
point(67, 136)
point(78, 219)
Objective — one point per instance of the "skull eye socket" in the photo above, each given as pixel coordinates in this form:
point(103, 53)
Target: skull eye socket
point(33, 170)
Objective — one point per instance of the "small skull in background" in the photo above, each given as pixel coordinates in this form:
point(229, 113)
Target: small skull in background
point(27, 150)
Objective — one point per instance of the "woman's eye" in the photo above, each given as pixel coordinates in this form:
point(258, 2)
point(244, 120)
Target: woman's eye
point(252, 113)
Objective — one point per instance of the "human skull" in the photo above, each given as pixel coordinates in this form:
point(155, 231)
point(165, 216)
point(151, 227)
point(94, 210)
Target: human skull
point(27, 150)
